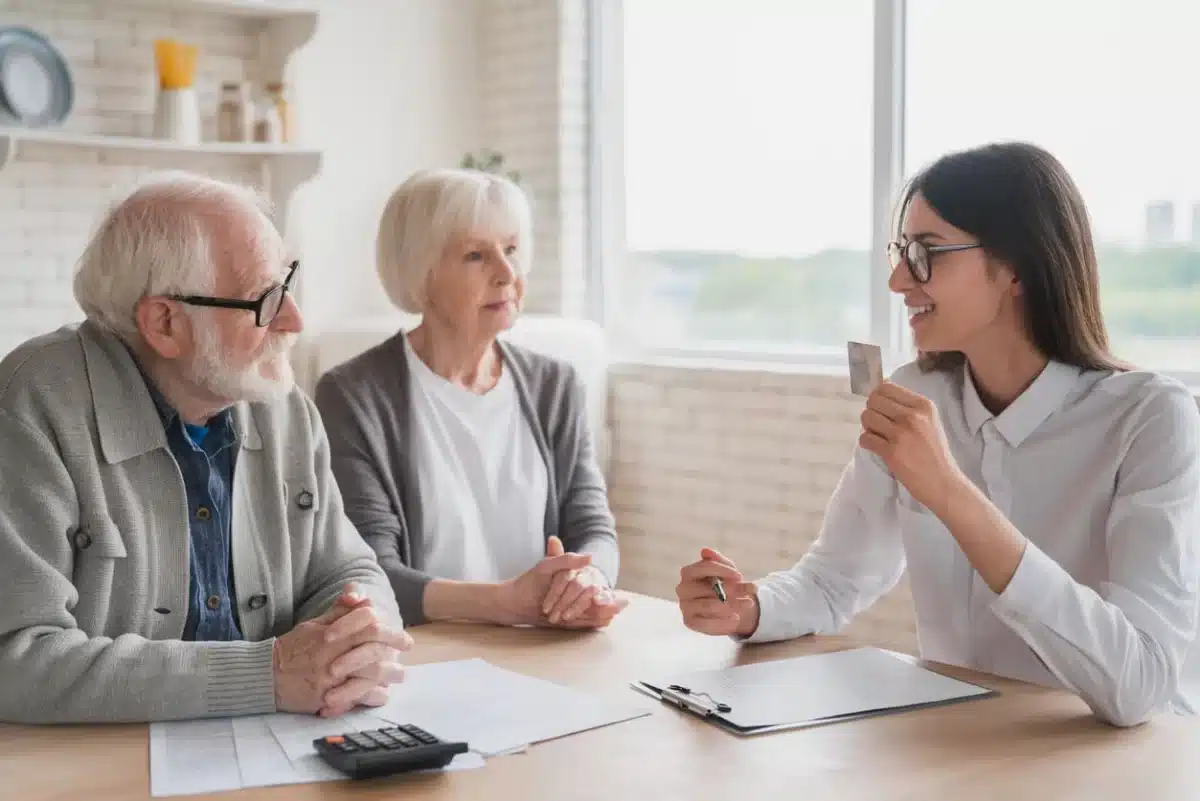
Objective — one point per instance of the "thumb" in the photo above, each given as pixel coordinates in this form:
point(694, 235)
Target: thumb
point(713, 555)
point(554, 547)
point(565, 561)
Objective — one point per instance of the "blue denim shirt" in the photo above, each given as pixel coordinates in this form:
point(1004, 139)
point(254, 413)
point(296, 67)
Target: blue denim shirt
point(206, 458)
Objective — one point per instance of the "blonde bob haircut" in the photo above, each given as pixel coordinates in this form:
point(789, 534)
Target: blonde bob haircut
point(433, 208)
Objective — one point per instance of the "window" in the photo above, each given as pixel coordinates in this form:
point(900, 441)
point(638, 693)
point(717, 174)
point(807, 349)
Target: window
point(758, 140)
point(1106, 86)
point(747, 169)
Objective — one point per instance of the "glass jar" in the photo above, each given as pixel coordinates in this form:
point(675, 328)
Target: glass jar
point(233, 113)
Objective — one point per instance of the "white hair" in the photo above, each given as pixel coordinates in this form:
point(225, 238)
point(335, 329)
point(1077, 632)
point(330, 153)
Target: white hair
point(165, 237)
point(431, 208)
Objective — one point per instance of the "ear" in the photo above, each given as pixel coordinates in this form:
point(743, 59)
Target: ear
point(164, 328)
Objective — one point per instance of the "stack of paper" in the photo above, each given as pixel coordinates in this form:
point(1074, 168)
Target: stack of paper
point(495, 711)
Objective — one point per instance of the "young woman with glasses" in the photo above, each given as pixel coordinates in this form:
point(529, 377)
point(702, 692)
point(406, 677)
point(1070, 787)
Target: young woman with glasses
point(1044, 496)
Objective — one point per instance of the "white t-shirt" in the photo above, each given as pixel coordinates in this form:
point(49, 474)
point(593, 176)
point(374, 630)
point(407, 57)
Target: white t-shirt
point(482, 479)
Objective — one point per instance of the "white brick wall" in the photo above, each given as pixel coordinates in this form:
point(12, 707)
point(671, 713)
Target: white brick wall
point(743, 461)
point(51, 197)
point(533, 62)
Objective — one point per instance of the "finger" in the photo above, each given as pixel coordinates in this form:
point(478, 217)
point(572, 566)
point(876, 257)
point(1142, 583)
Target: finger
point(359, 658)
point(351, 623)
point(557, 585)
point(377, 697)
point(346, 695)
point(711, 607)
point(382, 673)
point(343, 605)
point(554, 547)
point(889, 408)
point(707, 571)
point(901, 395)
point(566, 561)
point(873, 443)
point(713, 555)
point(580, 605)
point(569, 596)
point(877, 423)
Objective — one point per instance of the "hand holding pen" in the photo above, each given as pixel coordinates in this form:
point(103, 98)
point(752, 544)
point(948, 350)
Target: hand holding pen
point(714, 597)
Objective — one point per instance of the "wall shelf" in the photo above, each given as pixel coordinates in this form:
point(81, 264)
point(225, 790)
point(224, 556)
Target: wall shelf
point(253, 9)
point(11, 138)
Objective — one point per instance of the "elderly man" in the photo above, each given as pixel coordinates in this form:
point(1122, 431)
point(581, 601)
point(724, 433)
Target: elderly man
point(172, 543)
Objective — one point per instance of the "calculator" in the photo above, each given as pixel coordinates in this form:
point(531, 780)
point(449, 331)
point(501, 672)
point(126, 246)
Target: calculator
point(383, 752)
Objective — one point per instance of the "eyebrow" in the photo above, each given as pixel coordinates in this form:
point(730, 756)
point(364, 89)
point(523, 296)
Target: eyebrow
point(923, 235)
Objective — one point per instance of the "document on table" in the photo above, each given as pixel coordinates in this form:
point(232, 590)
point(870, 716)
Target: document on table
point(208, 756)
point(495, 710)
point(809, 690)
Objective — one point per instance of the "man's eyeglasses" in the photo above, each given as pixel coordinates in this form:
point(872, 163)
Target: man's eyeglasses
point(266, 307)
point(919, 256)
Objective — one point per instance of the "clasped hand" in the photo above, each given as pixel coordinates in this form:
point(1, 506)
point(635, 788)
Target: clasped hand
point(347, 657)
point(563, 590)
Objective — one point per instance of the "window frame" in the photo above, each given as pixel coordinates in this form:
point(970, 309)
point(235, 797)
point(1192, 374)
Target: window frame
point(606, 247)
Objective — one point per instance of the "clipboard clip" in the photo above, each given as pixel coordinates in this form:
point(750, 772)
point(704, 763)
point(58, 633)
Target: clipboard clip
point(685, 698)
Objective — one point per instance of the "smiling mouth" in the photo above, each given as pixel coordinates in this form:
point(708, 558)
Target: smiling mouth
point(919, 312)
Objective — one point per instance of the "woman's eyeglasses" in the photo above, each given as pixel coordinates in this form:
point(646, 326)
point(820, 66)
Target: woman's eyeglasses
point(919, 256)
point(266, 308)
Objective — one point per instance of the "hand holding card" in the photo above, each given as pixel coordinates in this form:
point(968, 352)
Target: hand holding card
point(866, 367)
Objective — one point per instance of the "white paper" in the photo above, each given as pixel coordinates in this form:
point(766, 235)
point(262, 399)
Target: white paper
point(295, 735)
point(821, 687)
point(208, 756)
point(493, 710)
point(193, 756)
point(263, 762)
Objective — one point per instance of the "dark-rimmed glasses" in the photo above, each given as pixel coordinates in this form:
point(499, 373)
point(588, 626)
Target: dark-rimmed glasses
point(266, 307)
point(919, 256)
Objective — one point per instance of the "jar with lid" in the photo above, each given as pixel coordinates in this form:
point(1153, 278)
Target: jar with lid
point(268, 128)
point(276, 94)
point(234, 118)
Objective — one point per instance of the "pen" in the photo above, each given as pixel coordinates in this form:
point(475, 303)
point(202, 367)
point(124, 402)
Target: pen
point(719, 589)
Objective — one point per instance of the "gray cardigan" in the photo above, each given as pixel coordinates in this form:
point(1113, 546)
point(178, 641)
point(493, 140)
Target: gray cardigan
point(365, 404)
point(94, 543)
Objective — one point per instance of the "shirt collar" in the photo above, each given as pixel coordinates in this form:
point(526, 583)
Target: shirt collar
point(1032, 407)
point(124, 419)
point(221, 428)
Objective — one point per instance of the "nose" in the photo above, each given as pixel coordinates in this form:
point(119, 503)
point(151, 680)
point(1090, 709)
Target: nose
point(505, 271)
point(901, 280)
point(289, 320)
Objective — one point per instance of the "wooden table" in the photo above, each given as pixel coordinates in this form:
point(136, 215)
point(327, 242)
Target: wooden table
point(1029, 741)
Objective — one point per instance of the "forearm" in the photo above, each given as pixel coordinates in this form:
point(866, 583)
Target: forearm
point(1093, 646)
point(63, 676)
point(463, 600)
point(991, 543)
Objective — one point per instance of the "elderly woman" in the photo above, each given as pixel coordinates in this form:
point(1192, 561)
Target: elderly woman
point(464, 461)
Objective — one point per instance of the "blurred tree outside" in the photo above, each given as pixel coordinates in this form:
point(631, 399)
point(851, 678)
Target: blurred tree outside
point(1150, 297)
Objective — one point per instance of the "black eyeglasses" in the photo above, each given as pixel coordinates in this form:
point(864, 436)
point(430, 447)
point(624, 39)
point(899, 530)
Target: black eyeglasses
point(919, 256)
point(266, 307)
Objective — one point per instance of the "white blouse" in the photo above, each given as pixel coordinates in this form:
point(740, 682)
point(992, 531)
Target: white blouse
point(483, 481)
point(1100, 471)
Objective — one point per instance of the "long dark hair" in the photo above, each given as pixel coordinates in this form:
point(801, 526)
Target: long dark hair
point(1019, 202)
